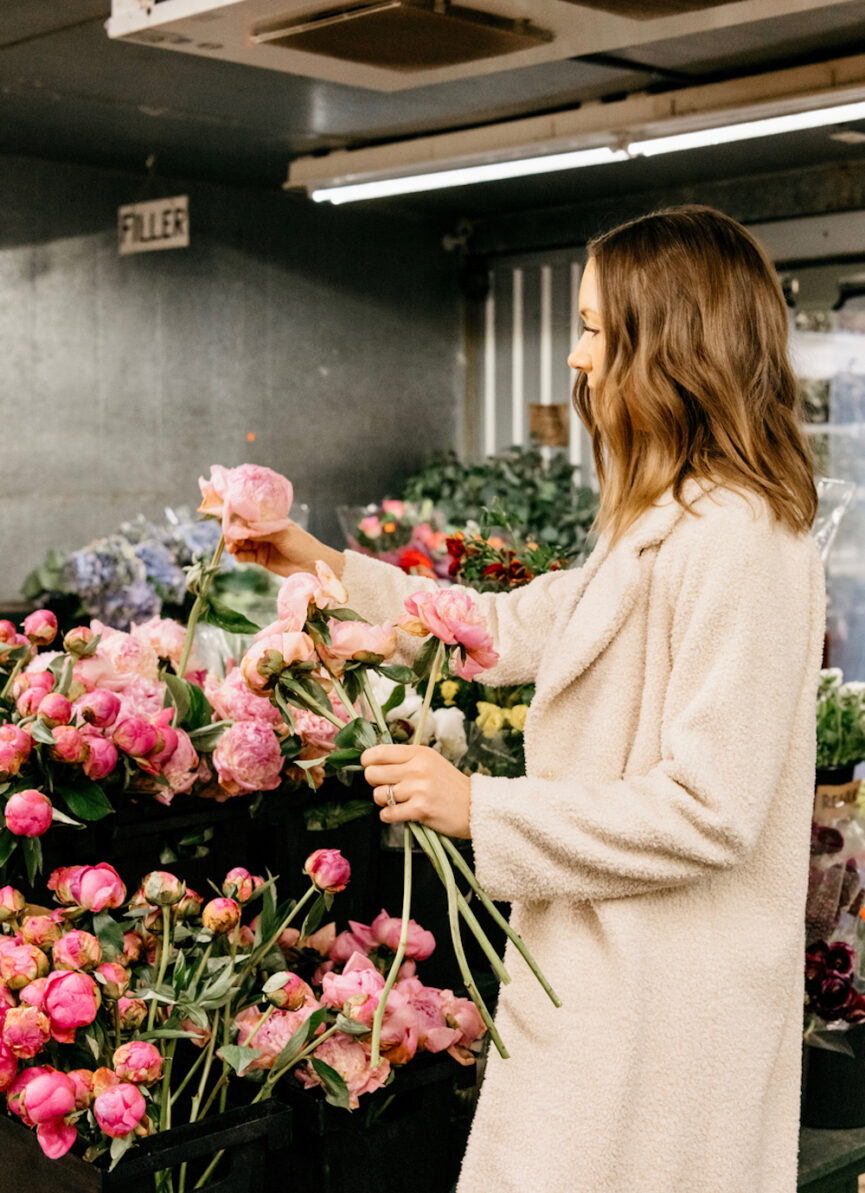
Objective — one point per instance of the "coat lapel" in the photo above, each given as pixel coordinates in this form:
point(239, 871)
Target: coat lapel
point(608, 587)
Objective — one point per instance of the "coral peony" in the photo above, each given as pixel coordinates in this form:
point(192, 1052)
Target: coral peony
point(239, 884)
point(221, 915)
point(248, 758)
point(42, 930)
point(114, 979)
point(26, 1031)
point(77, 950)
point(70, 744)
point(12, 903)
point(454, 619)
point(358, 640)
point(251, 501)
point(132, 1011)
point(21, 964)
point(138, 1062)
point(15, 747)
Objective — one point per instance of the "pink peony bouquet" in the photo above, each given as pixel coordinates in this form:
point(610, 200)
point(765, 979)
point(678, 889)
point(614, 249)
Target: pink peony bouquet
point(409, 535)
point(124, 1017)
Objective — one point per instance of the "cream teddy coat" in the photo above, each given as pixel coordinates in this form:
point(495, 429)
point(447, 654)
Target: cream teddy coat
point(655, 853)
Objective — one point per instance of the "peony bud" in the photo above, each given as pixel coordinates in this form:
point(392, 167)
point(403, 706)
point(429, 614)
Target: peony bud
point(189, 907)
point(91, 887)
point(21, 964)
point(328, 869)
point(135, 736)
point(101, 754)
point(15, 747)
point(239, 884)
point(12, 903)
point(55, 709)
point(8, 1067)
point(99, 708)
point(48, 1095)
point(133, 1012)
point(132, 945)
point(77, 950)
point(138, 1062)
point(118, 1111)
point(71, 1001)
point(40, 627)
point(41, 930)
point(28, 813)
point(293, 992)
point(221, 915)
point(114, 979)
point(78, 641)
point(70, 745)
point(82, 1082)
point(26, 1031)
point(162, 889)
point(33, 994)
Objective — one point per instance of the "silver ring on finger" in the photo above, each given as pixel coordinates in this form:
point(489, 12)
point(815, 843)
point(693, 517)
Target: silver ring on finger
point(390, 796)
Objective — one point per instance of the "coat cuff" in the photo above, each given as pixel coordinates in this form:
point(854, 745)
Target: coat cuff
point(495, 849)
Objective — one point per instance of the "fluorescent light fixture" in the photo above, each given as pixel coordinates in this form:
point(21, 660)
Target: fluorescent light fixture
point(465, 175)
point(769, 127)
point(377, 188)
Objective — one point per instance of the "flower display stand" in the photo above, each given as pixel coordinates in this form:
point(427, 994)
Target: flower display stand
point(253, 1137)
point(408, 1147)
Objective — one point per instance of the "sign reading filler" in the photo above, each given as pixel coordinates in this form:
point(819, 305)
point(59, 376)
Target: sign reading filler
point(158, 224)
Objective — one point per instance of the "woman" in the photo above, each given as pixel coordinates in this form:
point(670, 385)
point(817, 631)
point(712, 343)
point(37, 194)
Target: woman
point(656, 851)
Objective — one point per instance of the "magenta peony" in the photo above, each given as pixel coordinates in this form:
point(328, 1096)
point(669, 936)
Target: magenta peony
point(40, 627)
point(76, 950)
point(15, 747)
point(248, 758)
point(119, 1110)
point(102, 754)
point(71, 1001)
point(138, 1062)
point(28, 813)
point(454, 619)
point(135, 736)
point(251, 501)
point(99, 708)
point(328, 869)
point(91, 887)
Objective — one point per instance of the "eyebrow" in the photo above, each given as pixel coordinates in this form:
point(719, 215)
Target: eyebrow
point(587, 311)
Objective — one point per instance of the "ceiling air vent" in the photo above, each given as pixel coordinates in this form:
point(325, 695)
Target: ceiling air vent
point(404, 35)
point(648, 10)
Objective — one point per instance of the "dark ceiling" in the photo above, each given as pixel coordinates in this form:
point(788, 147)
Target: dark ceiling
point(69, 93)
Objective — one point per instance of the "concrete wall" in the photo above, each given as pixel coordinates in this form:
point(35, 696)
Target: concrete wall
point(330, 334)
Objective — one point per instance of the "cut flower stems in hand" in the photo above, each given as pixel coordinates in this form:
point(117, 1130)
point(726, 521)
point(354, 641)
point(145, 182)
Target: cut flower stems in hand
point(317, 657)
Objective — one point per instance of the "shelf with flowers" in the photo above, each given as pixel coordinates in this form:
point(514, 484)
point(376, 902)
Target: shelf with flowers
point(122, 1019)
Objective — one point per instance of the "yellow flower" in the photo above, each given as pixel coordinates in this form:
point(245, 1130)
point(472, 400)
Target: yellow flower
point(449, 689)
point(491, 718)
point(516, 716)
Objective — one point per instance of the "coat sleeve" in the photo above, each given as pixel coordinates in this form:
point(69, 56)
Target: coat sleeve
point(518, 621)
point(746, 611)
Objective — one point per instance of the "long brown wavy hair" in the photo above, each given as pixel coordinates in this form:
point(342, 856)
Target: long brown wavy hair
point(696, 379)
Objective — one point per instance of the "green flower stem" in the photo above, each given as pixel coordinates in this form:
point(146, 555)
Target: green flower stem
point(193, 1069)
point(13, 675)
point(221, 1087)
point(66, 676)
point(165, 1097)
point(428, 695)
point(164, 950)
point(205, 957)
point(421, 834)
point(195, 613)
point(115, 1008)
point(467, 872)
point(264, 949)
point(307, 702)
point(378, 1018)
point(264, 1018)
point(343, 697)
point(202, 1085)
point(226, 1028)
point(453, 917)
point(376, 708)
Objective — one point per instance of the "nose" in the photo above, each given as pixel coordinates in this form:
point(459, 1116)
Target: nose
point(580, 357)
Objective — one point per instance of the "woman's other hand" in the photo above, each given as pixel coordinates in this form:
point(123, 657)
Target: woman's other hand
point(426, 788)
point(288, 551)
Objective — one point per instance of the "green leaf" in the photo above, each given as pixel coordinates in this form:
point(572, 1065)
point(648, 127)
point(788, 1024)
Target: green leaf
point(59, 817)
point(345, 615)
point(335, 1089)
point(176, 694)
point(268, 923)
point(300, 1038)
point(284, 707)
point(109, 932)
point(217, 613)
point(340, 758)
point(206, 738)
point(200, 715)
point(395, 699)
point(31, 847)
point(313, 918)
point(41, 733)
point(332, 815)
point(358, 733)
point(119, 1148)
point(86, 799)
point(238, 1057)
point(424, 659)
point(8, 845)
point(351, 1027)
point(397, 672)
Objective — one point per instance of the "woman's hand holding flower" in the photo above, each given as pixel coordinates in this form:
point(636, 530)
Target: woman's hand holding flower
point(426, 788)
point(287, 551)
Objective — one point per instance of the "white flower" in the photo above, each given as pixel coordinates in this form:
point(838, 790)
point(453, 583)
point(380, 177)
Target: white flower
point(450, 733)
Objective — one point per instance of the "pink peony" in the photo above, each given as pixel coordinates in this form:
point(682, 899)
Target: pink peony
point(462, 1014)
point(221, 915)
point(189, 907)
point(71, 1001)
point(77, 640)
point(48, 1095)
point(180, 770)
point(33, 994)
point(239, 884)
point(12, 903)
point(42, 930)
point(292, 994)
point(328, 869)
point(131, 657)
point(70, 744)
point(141, 698)
point(454, 619)
point(302, 591)
point(99, 708)
point(119, 1110)
point(248, 758)
point(348, 943)
point(82, 1083)
point(138, 1062)
point(358, 640)
point(102, 754)
point(232, 700)
point(28, 813)
point(386, 929)
point(114, 979)
point(273, 654)
point(315, 731)
point(273, 1036)
point(55, 709)
point(8, 1067)
point(164, 636)
point(91, 887)
point(26, 1031)
point(135, 736)
point(15, 747)
point(360, 984)
point(76, 950)
point(133, 1012)
point(350, 1060)
point(40, 627)
point(162, 889)
point(251, 501)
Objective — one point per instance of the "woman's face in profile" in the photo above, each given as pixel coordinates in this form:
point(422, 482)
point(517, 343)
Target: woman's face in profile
point(588, 355)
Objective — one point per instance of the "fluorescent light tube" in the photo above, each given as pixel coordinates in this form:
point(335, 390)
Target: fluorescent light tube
point(466, 175)
point(768, 127)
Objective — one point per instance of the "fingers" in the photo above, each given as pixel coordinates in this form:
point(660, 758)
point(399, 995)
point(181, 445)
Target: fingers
point(380, 776)
point(388, 755)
